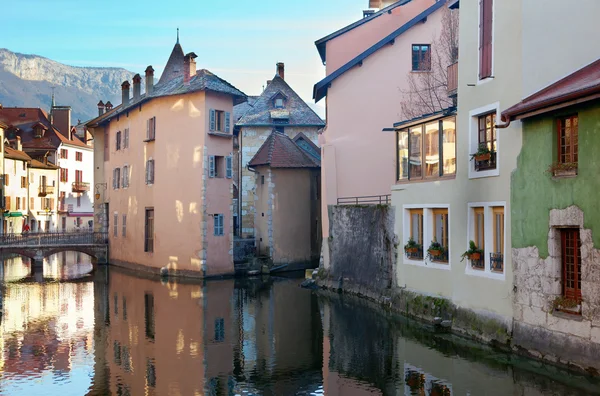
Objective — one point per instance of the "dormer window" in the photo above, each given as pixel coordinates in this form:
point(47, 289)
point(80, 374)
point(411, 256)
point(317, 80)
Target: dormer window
point(279, 103)
point(279, 100)
point(38, 132)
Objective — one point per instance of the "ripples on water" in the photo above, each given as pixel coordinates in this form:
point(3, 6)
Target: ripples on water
point(71, 333)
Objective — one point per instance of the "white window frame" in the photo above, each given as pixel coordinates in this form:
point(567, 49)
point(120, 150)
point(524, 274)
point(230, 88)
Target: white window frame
point(488, 224)
point(474, 141)
point(491, 78)
point(428, 233)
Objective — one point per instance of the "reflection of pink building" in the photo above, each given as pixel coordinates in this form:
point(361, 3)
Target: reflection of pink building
point(368, 64)
point(163, 163)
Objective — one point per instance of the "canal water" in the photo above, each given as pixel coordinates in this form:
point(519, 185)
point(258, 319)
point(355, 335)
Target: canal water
point(66, 332)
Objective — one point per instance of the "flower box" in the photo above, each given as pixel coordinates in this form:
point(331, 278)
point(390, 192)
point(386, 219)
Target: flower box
point(483, 157)
point(434, 252)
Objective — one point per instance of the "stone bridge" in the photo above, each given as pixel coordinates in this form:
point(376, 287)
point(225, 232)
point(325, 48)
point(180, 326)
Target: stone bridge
point(38, 246)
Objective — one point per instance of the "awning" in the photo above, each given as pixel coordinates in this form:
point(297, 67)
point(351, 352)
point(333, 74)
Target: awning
point(13, 214)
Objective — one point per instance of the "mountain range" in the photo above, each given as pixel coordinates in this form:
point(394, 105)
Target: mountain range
point(27, 81)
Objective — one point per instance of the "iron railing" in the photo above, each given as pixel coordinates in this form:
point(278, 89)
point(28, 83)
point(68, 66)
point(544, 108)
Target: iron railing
point(478, 264)
point(414, 255)
point(486, 164)
point(53, 238)
point(366, 200)
point(441, 258)
point(45, 190)
point(497, 262)
point(79, 186)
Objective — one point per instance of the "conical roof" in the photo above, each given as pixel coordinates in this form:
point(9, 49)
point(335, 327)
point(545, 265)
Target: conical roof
point(174, 66)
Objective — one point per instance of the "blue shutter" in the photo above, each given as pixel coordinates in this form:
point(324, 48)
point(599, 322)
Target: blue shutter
point(211, 166)
point(212, 120)
point(229, 166)
point(227, 122)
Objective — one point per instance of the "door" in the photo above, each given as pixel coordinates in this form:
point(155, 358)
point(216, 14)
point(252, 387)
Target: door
point(64, 224)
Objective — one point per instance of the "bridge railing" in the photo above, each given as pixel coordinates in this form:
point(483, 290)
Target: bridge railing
point(54, 238)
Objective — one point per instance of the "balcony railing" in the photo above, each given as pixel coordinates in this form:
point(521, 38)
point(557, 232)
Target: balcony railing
point(366, 200)
point(453, 79)
point(45, 190)
point(54, 238)
point(79, 187)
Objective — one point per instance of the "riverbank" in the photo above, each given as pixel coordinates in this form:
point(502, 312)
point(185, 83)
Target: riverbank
point(483, 327)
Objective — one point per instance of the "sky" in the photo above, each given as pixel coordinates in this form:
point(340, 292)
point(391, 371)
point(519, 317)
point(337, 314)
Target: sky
point(240, 41)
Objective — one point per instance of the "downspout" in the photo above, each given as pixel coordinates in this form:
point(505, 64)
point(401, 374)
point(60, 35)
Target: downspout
point(505, 125)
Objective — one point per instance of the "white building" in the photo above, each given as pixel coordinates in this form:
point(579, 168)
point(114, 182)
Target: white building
point(16, 191)
point(43, 193)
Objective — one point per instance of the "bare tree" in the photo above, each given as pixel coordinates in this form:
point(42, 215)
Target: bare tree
point(427, 91)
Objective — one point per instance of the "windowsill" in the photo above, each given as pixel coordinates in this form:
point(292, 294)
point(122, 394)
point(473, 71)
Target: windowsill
point(149, 184)
point(221, 134)
point(426, 180)
point(420, 71)
point(568, 314)
point(484, 80)
point(473, 174)
point(149, 140)
point(426, 264)
point(482, 273)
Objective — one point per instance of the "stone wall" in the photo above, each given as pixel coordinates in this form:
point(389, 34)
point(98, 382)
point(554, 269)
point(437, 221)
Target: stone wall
point(252, 138)
point(362, 248)
point(539, 328)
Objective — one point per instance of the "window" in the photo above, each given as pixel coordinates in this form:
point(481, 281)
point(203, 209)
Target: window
point(126, 138)
point(151, 129)
point(78, 176)
point(149, 315)
point(219, 167)
point(571, 263)
point(106, 146)
point(150, 171)
point(31, 203)
point(118, 141)
point(64, 175)
point(7, 203)
point(421, 57)
point(486, 19)
point(6, 179)
point(479, 236)
point(279, 103)
point(125, 176)
point(116, 178)
point(18, 203)
point(568, 145)
point(228, 167)
point(262, 179)
point(427, 150)
point(416, 233)
point(218, 225)
point(486, 140)
point(78, 156)
point(24, 165)
point(124, 225)
point(79, 201)
point(149, 231)
point(220, 121)
point(23, 182)
point(219, 330)
point(116, 225)
point(440, 233)
point(497, 255)
point(150, 373)
point(64, 153)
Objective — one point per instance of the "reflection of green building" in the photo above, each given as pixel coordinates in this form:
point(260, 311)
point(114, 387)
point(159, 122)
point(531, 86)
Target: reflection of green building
point(556, 218)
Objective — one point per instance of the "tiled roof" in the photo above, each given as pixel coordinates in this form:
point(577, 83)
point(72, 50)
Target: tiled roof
point(11, 153)
point(174, 66)
point(308, 146)
point(320, 88)
point(25, 119)
point(279, 151)
point(41, 165)
point(322, 43)
point(239, 110)
point(585, 82)
point(300, 114)
point(204, 80)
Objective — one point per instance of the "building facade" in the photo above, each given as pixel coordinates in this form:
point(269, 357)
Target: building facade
point(16, 190)
point(280, 109)
point(163, 171)
point(368, 66)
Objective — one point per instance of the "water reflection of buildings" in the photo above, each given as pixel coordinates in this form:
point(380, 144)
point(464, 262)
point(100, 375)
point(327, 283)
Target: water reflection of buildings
point(45, 328)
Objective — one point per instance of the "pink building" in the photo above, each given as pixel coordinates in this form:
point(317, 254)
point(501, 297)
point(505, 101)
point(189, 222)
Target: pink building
point(163, 163)
point(368, 64)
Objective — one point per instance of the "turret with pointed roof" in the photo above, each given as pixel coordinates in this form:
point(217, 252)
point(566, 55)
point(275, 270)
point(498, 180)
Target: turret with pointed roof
point(174, 66)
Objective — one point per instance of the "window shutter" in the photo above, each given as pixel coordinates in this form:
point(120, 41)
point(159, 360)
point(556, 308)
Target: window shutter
point(229, 171)
point(153, 128)
point(51, 203)
point(211, 166)
point(31, 203)
point(6, 179)
point(485, 38)
point(227, 122)
point(7, 202)
point(212, 120)
point(152, 171)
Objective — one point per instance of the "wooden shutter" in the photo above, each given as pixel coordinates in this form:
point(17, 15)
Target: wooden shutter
point(147, 129)
point(227, 122)
point(153, 128)
point(31, 203)
point(485, 38)
point(212, 120)
point(114, 179)
point(211, 166)
point(6, 179)
point(152, 171)
point(51, 203)
point(229, 167)
point(7, 203)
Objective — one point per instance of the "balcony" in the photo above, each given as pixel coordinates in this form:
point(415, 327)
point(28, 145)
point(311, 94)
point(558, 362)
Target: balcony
point(453, 80)
point(80, 187)
point(45, 190)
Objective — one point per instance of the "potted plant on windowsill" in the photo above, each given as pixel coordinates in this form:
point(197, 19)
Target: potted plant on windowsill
point(568, 305)
point(473, 254)
point(435, 249)
point(412, 246)
point(483, 153)
point(561, 169)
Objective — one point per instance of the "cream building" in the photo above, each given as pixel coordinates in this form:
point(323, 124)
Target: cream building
point(495, 70)
point(16, 189)
point(43, 180)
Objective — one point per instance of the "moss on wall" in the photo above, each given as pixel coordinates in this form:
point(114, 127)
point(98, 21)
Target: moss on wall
point(534, 192)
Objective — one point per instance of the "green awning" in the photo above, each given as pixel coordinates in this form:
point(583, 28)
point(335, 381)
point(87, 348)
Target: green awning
point(13, 214)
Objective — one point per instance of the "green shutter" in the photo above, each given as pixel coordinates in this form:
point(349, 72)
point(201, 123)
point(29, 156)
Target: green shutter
point(212, 120)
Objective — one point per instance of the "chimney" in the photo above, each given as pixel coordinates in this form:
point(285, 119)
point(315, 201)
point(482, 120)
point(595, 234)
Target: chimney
point(108, 106)
point(189, 67)
point(281, 70)
point(61, 119)
point(100, 108)
point(19, 145)
point(149, 80)
point(137, 86)
point(125, 93)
